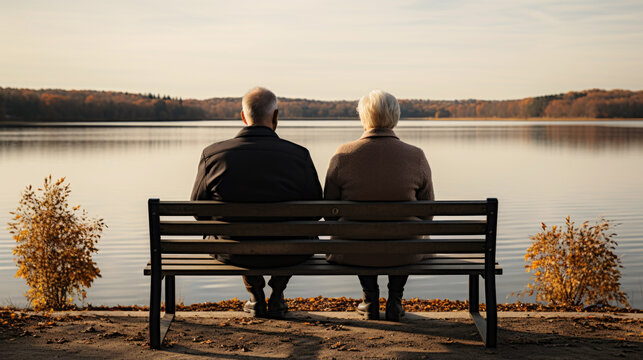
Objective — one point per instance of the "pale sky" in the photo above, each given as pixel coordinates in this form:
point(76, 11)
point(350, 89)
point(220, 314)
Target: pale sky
point(323, 49)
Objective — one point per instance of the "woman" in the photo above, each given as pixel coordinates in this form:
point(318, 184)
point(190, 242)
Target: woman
point(379, 167)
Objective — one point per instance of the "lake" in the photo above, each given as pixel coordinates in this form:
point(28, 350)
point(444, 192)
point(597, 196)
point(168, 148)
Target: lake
point(539, 171)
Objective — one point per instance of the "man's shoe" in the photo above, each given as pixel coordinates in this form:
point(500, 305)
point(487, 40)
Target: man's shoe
point(257, 304)
point(277, 306)
point(256, 308)
point(394, 308)
point(369, 308)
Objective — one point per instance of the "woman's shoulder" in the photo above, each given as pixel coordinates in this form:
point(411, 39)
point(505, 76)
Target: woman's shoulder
point(395, 145)
point(409, 149)
point(349, 147)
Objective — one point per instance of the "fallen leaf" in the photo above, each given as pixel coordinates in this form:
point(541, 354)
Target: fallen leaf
point(338, 346)
point(90, 329)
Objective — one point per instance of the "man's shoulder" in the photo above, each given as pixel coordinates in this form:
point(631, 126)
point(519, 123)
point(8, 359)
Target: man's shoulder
point(295, 147)
point(275, 144)
point(218, 147)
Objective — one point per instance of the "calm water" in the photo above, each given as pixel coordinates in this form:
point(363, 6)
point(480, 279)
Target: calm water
point(539, 171)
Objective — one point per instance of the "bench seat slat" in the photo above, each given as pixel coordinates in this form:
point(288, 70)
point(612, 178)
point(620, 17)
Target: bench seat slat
point(323, 208)
point(198, 265)
point(315, 261)
point(320, 256)
point(327, 269)
point(348, 229)
point(318, 246)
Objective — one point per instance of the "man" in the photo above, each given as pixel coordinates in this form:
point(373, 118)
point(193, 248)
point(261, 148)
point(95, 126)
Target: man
point(258, 166)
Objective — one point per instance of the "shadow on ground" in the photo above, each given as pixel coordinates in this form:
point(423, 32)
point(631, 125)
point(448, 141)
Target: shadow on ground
point(315, 335)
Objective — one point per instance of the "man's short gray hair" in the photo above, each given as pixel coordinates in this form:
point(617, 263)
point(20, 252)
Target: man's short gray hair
point(259, 104)
point(378, 109)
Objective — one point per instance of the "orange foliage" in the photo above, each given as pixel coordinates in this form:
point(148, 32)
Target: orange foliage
point(55, 243)
point(321, 303)
point(575, 266)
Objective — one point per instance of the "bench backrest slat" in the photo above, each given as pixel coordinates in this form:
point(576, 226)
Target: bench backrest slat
point(307, 246)
point(345, 229)
point(323, 208)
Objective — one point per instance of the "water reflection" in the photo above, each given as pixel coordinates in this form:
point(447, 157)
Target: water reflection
point(586, 136)
point(593, 137)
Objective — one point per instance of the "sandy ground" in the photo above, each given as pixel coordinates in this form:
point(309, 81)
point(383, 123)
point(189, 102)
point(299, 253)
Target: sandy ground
point(324, 335)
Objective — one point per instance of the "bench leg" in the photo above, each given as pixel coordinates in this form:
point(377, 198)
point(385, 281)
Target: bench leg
point(474, 308)
point(170, 302)
point(492, 314)
point(170, 306)
point(488, 328)
point(155, 310)
point(473, 293)
point(160, 325)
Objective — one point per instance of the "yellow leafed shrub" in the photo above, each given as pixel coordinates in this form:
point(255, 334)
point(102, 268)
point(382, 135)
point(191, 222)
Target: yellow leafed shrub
point(54, 245)
point(574, 266)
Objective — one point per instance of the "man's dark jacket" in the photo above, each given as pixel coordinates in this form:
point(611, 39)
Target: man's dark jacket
point(256, 166)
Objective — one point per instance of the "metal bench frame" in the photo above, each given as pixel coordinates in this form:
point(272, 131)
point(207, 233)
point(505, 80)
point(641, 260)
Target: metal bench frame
point(473, 256)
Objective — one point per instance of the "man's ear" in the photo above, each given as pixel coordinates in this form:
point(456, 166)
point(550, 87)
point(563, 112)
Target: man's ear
point(243, 118)
point(275, 119)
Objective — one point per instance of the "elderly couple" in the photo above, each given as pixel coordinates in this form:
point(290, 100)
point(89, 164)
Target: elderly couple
point(258, 166)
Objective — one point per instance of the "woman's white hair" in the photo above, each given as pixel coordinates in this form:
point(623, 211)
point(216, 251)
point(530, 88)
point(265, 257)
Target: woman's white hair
point(378, 109)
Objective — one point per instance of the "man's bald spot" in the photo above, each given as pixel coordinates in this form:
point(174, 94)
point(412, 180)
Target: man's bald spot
point(259, 105)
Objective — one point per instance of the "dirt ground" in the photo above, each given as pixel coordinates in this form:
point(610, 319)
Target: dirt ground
point(321, 335)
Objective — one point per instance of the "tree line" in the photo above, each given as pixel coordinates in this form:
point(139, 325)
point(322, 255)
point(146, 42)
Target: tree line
point(89, 105)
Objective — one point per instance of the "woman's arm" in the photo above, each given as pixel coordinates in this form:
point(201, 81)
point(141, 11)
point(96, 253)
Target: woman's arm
point(332, 189)
point(425, 192)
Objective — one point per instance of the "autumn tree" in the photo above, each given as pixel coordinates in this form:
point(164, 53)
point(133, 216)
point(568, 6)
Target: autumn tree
point(79, 105)
point(574, 266)
point(54, 246)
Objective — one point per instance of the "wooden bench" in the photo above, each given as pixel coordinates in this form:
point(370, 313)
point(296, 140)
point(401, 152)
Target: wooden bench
point(460, 247)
